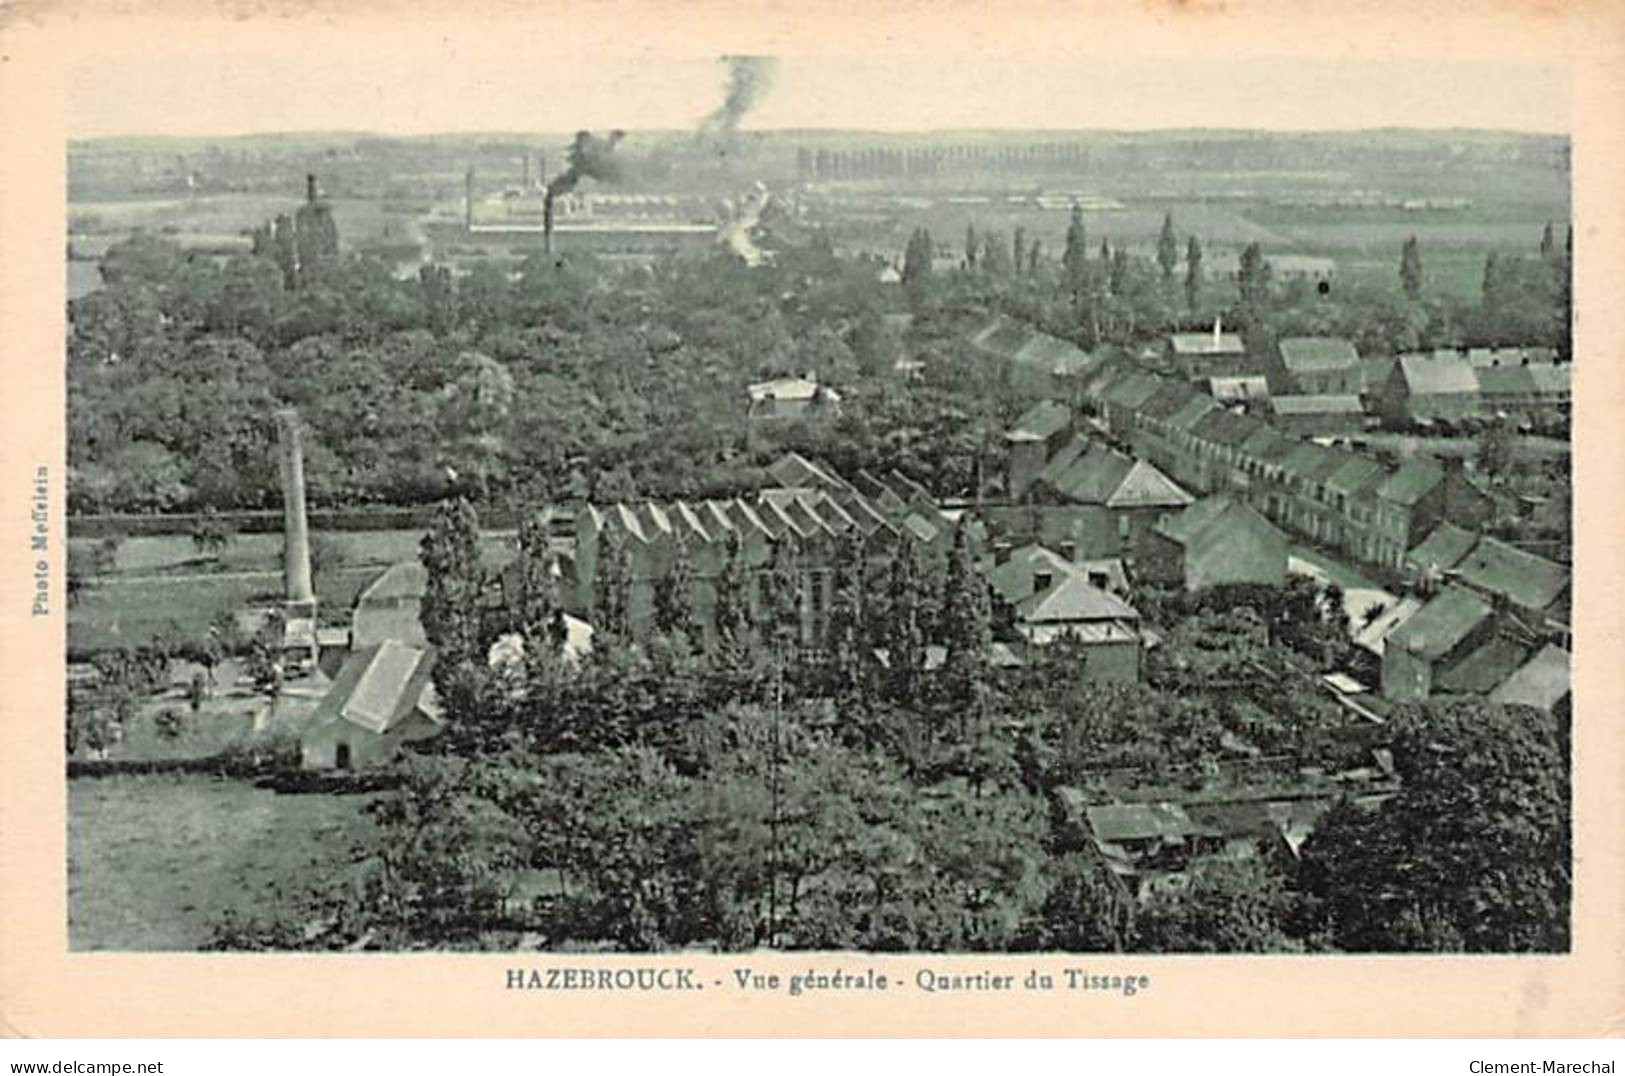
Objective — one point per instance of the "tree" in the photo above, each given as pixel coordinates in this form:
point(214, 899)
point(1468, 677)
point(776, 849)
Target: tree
point(1117, 281)
point(674, 597)
point(448, 858)
point(1075, 258)
point(847, 658)
point(967, 633)
point(1033, 256)
point(1472, 855)
point(1410, 269)
point(451, 602)
point(917, 256)
point(612, 589)
point(211, 533)
point(732, 601)
point(1493, 453)
point(1167, 248)
point(1193, 273)
point(1225, 907)
point(327, 555)
point(1490, 288)
point(474, 410)
point(904, 630)
point(1018, 250)
point(538, 617)
point(1086, 909)
point(973, 247)
point(1253, 280)
point(995, 255)
point(105, 560)
point(1548, 242)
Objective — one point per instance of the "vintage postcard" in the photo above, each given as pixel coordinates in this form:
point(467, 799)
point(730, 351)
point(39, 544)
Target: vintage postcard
point(718, 520)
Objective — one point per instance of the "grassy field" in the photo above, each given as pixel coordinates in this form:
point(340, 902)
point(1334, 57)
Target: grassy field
point(155, 861)
point(159, 581)
point(358, 220)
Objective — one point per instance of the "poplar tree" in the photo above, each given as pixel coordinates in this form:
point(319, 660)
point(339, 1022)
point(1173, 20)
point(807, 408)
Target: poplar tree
point(612, 586)
point(1075, 258)
point(674, 596)
point(1167, 247)
point(1410, 269)
point(1118, 278)
point(450, 612)
point(732, 610)
point(846, 659)
point(539, 617)
point(905, 631)
point(1193, 272)
point(967, 629)
point(1253, 279)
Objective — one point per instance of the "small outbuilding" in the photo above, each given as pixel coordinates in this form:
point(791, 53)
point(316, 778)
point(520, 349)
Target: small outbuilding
point(382, 698)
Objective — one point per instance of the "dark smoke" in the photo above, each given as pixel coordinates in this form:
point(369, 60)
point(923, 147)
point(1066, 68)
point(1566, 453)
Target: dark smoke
point(589, 157)
point(749, 77)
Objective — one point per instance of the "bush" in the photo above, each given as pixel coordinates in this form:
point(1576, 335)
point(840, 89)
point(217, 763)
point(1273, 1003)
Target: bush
point(259, 758)
point(170, 724)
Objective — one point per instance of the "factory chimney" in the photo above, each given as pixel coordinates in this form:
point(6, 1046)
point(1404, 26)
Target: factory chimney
point(295, 530)
point(468, 199)
point(310, 188)
point(525, 182)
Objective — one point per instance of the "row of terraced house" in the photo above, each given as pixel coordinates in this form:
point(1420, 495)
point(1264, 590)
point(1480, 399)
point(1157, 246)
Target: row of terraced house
point(1338, 498)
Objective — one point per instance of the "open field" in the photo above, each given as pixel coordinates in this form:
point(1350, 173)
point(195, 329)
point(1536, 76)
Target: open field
point(162, 580)
point(223, 215)
point(155, 861)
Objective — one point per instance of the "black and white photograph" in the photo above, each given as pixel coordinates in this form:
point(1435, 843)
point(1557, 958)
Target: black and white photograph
point(887, 503)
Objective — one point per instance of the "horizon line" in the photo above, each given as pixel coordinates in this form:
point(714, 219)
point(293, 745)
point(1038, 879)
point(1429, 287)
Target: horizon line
point(341, 132)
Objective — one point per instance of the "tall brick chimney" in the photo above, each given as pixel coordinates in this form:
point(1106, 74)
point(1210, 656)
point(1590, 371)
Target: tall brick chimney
point(295, 530)
point(310, 188)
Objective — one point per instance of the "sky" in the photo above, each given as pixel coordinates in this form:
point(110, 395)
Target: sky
point(428, 86)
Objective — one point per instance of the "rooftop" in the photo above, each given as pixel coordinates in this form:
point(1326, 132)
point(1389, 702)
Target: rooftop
point(1104, 476)
point(1207, 343)
point(1525, 579)
point(1073, 600)
point(1440, 625)
point(1316, 405)
point(379, 687)
point(1311, 354)
point(1542, 681)
point(1044, 420)
point(1113, 823)
point(1443, 376)
point(1415, 479)
point(1442, 549)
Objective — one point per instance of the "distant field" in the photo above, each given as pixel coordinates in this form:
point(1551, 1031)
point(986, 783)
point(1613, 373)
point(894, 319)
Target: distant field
point(1457, 271)
point(224, 215)
point(155, 861)
point(1137, 226)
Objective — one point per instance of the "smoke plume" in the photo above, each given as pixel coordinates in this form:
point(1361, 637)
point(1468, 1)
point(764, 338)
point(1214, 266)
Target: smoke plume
point(749, 77)
point(589, 157)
